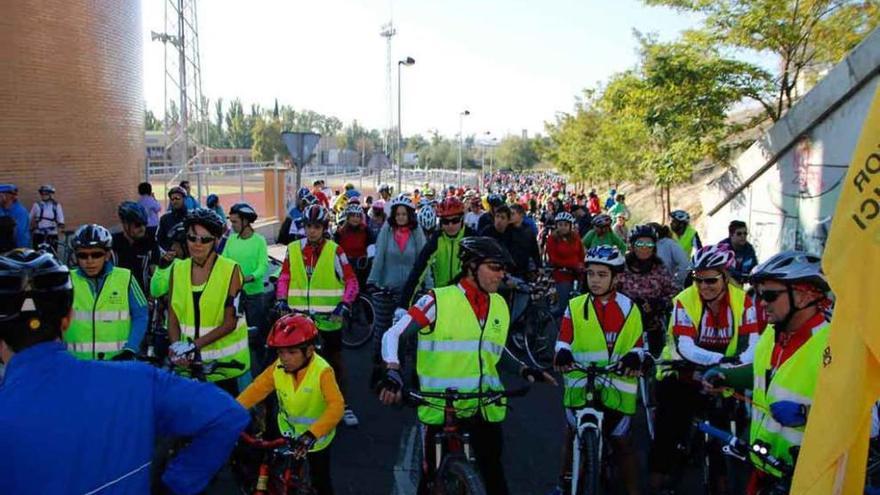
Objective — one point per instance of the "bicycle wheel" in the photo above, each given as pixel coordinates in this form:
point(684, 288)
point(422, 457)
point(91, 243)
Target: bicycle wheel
point(540, 337)
point(590, 468)
point(457, 476)
point(359, 327)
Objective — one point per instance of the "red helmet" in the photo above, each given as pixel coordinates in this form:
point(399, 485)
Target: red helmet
point(292, 331)
point(450, 207)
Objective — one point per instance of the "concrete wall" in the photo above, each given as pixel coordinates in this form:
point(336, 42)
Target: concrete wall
point(71, 100)
point(790, 178)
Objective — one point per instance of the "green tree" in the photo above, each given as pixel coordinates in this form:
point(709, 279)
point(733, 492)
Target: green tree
point(267, 138)
point(151, 123)
point(517, 153)
point(238, 127)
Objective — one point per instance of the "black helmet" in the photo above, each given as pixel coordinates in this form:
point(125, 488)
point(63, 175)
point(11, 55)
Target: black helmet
point(482, 250)
point(24, 274)
point(131, 212)
point(92, 236)
point(177, 234)
point(207, 219)
point(495, 200)
point(640, 231)
point(245, 211)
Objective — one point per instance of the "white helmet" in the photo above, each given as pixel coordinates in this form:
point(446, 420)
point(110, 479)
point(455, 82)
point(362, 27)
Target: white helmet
point(606, 255)
point(427, 218)
point(680, 215)
point(718, 257)
point(564, 216)
point(402, 200)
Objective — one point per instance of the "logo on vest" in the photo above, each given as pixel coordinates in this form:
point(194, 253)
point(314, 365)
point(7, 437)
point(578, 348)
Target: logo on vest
point(826, 357)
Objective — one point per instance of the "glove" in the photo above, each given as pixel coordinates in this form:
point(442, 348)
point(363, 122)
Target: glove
point(647, 362)
point(630, 361)
point(714, 376)
point(564, 358)
point(281, 307)
point(789, 413)
point(180, 349)
point(392, 381)
point(302, 444)
point(125, 355)
point(730, 360)
point(533, 375)
point(342, 310)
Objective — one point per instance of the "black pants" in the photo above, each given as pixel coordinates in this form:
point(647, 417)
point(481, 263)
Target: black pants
point(487, 441)
point(319, 471)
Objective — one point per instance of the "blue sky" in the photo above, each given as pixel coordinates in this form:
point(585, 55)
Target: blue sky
point(513, 63)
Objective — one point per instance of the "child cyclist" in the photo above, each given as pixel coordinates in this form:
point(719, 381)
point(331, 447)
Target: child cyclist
point(602, 327)
point(309, 401)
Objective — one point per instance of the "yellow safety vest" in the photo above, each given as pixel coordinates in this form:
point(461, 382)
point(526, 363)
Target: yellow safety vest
point(693, 306)
point(686, 241)
point(300, 407)
point(322, 291)
point(101, 324)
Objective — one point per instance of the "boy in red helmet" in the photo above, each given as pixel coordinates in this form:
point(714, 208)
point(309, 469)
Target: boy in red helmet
point(309, 401)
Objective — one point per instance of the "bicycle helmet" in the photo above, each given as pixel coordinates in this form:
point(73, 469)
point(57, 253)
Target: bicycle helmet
point(302, 193)
point(495, 200)
point(404, 201)
point(207, 219)
point(28, 274)
point(712, 257)
point(92, 236)
point(606, 255)
point(131, 212)
point(244, 211)
point(601, 220)
point(177, 190)
point(385, 188)
point(340, 218)
point(450, 207)
point(353, 209)
point(309, 199)
point(177, 234)
point(348, 186)
point(484, 250)
point(680, 215)
point(564, 216)
point(293, 330)
point(640, 231)
point(378, 206)
point(427, 218)
point(316, 214)
point(212, 200)
point(792, 267)
point(46, 188)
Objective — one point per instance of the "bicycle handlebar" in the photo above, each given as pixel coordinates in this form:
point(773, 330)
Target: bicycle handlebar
point(742, 449)
point(453, 394)
point(261, 444)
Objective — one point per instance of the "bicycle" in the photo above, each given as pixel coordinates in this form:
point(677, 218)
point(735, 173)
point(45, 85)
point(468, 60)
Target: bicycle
point(455, 466)
point(358, 329)
point(269, 467)
point(744, 452)
point(533, 329)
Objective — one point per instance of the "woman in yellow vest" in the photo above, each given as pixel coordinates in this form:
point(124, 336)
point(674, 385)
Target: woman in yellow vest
point(713, 322)
point(309, 401)
point(203, 320)
point(109, 309)
point(602, 327)
point(792, 291)
point(465, 331)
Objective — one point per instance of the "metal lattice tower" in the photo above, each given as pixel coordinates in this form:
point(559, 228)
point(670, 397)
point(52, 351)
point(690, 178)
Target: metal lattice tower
point(186, 134)
point(388, 32)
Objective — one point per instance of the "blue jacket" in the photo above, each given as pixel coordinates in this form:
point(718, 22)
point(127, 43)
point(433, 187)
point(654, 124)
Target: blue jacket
point(137, 306)
point(22, 223)
point(73, 426)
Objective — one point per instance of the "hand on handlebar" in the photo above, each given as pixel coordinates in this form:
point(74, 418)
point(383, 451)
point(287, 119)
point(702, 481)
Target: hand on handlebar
point(535, 375)
point(340, 312)
point(713, 378)
point(630, 364)
point(563, 361)
point(390, 387)
point(182, 353)
point(302, 444)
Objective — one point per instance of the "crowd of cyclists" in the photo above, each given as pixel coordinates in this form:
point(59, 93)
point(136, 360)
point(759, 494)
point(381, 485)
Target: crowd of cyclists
point(719, 337)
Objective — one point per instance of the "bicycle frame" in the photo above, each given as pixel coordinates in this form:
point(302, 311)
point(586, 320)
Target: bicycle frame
point(587, 418)
point(273, 450)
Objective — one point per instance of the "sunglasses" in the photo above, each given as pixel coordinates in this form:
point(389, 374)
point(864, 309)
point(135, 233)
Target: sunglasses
point(93, 256)
point(769, 296)
point(643, 244)
point(707, 280)
point(201, 240)
point(450, 221)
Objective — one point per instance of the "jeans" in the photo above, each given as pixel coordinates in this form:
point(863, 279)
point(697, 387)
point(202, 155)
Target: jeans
point(563, 294)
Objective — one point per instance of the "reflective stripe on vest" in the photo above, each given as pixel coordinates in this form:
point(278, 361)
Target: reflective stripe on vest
point(693, 306)
point(590, 346)
point(300, 407)
point(459, 354)
point(795, 380)
point(321, 292)
point(101, 324)
point(212, 310)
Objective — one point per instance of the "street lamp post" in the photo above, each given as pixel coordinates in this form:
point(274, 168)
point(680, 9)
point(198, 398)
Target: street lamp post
point(408, 61)
point(461, 117)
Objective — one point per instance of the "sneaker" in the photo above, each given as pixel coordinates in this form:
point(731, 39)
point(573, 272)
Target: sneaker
point(349, 418)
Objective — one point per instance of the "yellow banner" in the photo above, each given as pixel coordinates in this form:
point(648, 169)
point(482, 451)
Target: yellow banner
point(834, 452)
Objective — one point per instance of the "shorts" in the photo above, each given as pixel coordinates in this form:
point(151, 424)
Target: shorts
point(615, 423)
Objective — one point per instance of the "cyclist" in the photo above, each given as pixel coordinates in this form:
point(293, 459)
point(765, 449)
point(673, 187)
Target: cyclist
point(440, 254)
point(175, 215)
point(683, 233)
point(309, 401)
point(357, 241)
point(47, 217)
point(744, 253)
point(713, 322)
point(792, 290)
point(377, 217)
point(135, 250)
point(203, 321)
point(189, 201)
point(212, 202)
point(601, 327)
point(109, 309)
point(472, 317)
point(20, 219)
point(317, 277)
point(493, 201)
point(160, 281)
point(671, 254)
point(99, 421)
point(564, 251)
point(474, 211)
point(601, 234)
point(650, 284)
point(249, 249)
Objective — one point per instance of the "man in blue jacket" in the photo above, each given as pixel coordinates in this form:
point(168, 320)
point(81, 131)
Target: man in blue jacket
point(11, 207)
point(76, 426)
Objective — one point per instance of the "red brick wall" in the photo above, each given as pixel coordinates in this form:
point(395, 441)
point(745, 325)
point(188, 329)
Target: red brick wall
point(71, 103)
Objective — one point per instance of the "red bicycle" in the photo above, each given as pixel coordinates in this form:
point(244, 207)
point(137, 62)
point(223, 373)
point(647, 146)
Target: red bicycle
point(269, 467)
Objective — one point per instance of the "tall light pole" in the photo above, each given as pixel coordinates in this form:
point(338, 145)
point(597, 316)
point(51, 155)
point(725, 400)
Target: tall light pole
point(461, 117)
point(408, 61)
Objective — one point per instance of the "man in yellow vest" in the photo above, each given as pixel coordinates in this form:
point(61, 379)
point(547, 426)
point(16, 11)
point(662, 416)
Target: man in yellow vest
point(462, 347)
point(683, 233)
point(316, 277)
point(309, 401)
point(792, 291)
point(602, 327)
point(109, 309)
point(713, 322)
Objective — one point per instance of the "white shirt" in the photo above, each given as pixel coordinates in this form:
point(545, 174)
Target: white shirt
point(48, 215)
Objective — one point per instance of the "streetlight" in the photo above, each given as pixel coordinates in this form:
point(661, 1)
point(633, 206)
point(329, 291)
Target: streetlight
point(408, 61)
point(461, 117)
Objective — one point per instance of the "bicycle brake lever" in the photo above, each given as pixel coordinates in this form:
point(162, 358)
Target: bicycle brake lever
point(728, 450)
